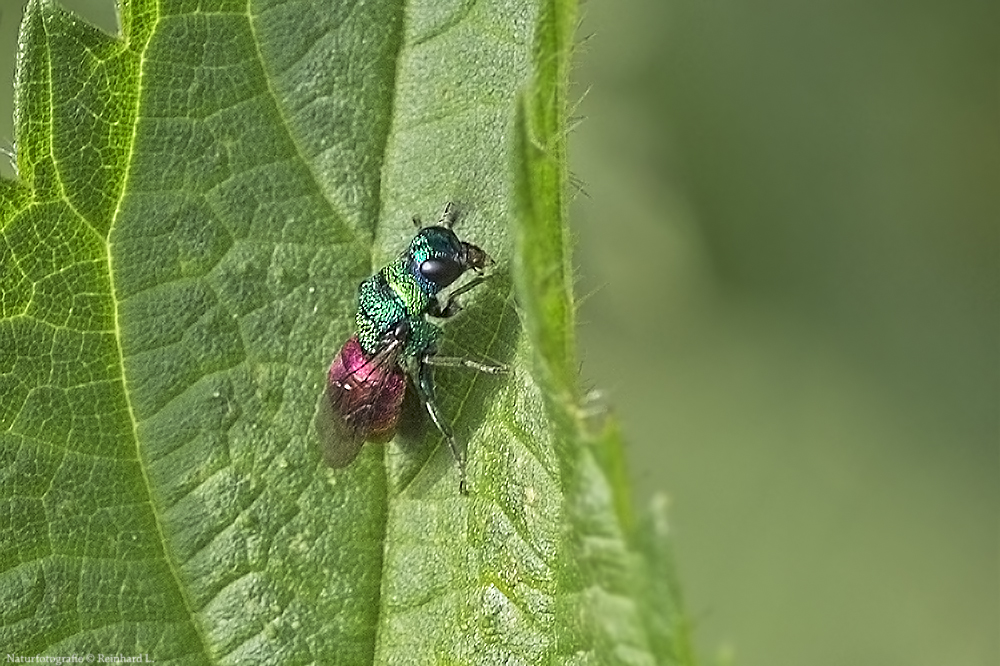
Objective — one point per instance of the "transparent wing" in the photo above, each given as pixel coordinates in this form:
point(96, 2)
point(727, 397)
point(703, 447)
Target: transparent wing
point(362, 401)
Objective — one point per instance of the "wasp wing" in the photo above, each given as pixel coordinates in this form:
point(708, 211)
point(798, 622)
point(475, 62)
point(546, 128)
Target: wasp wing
point(362, 400)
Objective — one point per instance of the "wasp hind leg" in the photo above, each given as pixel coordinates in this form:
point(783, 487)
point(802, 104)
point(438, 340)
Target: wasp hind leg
point(425, 387)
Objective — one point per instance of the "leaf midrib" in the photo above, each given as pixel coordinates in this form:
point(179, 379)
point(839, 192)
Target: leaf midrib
point(115, 303)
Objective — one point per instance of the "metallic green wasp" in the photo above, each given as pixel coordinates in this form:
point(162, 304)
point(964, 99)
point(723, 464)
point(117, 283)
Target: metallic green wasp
point(395, 340)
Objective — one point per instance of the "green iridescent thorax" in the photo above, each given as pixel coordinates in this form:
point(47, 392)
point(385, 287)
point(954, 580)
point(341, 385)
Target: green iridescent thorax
point(406, 289)
point(393, 294)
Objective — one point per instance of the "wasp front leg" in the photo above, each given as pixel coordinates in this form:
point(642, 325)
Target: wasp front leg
point(450, 307)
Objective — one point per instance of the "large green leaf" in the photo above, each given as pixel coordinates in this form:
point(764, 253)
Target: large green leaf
point(196, 205)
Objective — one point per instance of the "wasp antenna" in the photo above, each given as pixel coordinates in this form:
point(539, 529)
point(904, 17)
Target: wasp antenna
point(416, 222)
point(449, 215)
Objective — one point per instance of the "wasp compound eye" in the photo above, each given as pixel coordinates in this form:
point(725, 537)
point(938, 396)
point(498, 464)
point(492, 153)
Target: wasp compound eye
point(441, 272)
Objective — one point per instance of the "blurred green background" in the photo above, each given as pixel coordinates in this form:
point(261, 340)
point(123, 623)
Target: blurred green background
point(788, 266)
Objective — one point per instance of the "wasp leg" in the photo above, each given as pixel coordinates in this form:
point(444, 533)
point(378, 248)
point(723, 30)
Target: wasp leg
point(459, 362)
point(450, 308)
point(425, 387)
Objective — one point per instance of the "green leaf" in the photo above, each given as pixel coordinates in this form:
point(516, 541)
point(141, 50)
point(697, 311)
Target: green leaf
point(196, 204)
